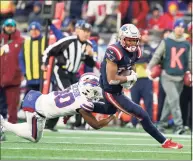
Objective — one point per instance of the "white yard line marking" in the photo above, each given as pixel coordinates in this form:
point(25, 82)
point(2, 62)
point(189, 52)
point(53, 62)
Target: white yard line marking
point(94, 150)
point(62, 158)
point(119, 133)
point(102, 138)
point(63, 142)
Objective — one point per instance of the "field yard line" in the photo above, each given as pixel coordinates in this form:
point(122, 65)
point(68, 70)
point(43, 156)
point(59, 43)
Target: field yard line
point(92, 150)
point(63, 142)
point(119, 133)
point(109, 138)
point(62, 158)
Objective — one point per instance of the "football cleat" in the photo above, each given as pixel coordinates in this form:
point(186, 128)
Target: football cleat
point(171, 145)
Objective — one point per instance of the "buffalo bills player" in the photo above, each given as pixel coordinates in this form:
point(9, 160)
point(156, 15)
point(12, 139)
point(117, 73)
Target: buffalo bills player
point(119, 57)
point(73, 100)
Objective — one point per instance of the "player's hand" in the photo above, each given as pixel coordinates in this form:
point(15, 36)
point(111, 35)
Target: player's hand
point(89, 50)
point(132, 77)
point(148, 71)
point(43, 67)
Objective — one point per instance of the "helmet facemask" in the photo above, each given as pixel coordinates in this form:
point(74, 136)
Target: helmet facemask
point(129, 37)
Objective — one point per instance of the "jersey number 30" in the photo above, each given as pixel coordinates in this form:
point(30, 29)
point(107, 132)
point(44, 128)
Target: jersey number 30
point(64, 99)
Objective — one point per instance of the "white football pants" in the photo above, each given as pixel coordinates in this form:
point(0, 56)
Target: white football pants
point(31, 130)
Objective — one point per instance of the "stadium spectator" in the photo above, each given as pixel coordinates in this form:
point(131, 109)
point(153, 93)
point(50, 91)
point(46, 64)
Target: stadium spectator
point(98, 11)
point(75, 11)
point(7, 10)
point(10, 74)
point(30, 57)
point(175, 52)
point(170, 16)
point(35, 15)
point(23, 9)
point(155, 21)
point(134, 12)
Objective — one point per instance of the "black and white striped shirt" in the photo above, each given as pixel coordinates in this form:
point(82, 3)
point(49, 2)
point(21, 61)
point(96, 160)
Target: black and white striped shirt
point(69, 52)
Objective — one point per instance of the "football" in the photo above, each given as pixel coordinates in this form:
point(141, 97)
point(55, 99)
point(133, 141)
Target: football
point(125, 73)
point(187, 79)
point(156, 71)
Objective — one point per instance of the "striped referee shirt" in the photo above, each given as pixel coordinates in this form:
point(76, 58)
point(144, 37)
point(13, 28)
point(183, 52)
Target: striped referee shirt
point(69, 52)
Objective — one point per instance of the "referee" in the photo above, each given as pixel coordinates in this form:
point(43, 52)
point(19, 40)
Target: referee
point(69, 53)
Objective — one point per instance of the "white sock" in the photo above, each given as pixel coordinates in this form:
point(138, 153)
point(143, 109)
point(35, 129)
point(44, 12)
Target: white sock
point(21, 129)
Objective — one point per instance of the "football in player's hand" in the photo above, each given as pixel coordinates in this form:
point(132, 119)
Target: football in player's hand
point(187, 79)
point(156, 71)
point(125, 73)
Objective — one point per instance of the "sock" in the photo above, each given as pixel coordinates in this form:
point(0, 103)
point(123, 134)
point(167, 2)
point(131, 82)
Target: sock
point(22, 130)
point(152, 130)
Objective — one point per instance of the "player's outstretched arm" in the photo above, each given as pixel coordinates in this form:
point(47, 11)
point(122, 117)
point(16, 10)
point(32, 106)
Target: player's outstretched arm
point(91, 120)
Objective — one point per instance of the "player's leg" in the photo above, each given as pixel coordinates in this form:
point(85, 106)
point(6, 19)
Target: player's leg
point(135, 96)
point(31, 130)
point(147, 94)
point(129, 107)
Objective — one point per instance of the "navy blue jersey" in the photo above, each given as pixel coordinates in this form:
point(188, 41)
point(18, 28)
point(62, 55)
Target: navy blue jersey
point(124, 60)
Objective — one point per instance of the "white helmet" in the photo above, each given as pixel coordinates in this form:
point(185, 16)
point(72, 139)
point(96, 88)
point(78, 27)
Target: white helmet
point(129, 31)
point(89, 86)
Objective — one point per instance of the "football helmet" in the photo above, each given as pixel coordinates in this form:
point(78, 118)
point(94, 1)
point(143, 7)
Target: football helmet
point(89, 87)
point(130, 32)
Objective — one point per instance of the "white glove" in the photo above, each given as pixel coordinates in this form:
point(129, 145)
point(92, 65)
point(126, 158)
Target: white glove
point(149, 74)
point(131, 79)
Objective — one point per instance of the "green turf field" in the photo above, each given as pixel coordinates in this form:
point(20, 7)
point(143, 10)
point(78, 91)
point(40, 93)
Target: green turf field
point(93, 145)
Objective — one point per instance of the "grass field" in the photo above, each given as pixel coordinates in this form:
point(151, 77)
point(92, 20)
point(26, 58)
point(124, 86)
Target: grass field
point(94, 145)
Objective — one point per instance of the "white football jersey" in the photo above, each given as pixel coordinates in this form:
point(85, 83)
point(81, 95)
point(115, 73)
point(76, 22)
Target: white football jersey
point(62, 103)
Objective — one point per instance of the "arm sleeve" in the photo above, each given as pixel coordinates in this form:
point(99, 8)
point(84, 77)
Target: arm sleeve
point(87, 106)
point(55, 49)
point(22, 62)
point(157, 56)
point(58, 33)
point(112, 55)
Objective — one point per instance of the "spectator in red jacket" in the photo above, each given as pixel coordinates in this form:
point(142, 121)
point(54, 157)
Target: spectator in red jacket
point(170, 16)
point(155, 21)
point(135, 12)
point(10, 75)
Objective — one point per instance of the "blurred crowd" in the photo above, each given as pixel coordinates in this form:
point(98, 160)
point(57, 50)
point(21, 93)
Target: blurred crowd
point(23, 43)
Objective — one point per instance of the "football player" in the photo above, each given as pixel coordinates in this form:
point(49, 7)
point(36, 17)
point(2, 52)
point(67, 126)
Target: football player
point(119, 57)
point(75, 99)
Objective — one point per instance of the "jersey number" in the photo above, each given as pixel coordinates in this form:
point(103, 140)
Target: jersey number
point(64, 99)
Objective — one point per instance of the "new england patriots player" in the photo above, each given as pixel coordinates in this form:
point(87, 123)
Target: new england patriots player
point(73, 100)
point(119, 57)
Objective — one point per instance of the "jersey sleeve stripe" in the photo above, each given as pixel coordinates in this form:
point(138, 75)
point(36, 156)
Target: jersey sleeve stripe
point(87, 108)
point(117, 52)
point(112, 100)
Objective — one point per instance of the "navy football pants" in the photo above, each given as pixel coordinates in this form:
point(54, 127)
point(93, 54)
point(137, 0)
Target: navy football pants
point(123, 103)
